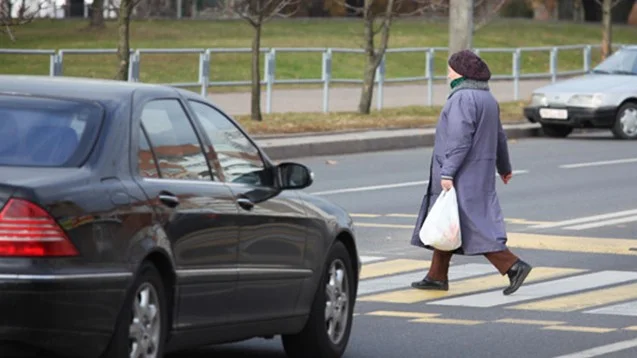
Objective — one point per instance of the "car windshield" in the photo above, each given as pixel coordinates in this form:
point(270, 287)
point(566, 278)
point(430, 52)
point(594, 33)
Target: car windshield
point(44, 132)
point(622, 62)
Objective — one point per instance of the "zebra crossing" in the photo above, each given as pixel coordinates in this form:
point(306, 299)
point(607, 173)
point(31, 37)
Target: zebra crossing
point(475, 285)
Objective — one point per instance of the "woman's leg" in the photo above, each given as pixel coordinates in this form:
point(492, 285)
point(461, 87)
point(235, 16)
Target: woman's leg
point(508, 263)
point(437, 277)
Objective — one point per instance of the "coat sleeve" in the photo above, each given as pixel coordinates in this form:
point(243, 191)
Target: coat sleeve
point(503, 161)
point(461, 126)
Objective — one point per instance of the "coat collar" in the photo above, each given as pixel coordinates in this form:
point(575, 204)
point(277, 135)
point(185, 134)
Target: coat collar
point(470, 84)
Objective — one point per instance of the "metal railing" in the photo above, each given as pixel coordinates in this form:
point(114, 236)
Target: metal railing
point(206, 59)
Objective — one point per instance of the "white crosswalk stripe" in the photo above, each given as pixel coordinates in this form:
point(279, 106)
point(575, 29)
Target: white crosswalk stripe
point(476, 285)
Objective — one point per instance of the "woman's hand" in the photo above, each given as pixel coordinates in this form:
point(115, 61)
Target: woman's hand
point(506, 178)
point(446, 184)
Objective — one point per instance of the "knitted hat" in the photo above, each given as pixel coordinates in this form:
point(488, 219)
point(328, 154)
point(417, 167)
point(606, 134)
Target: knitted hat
point(469, 65)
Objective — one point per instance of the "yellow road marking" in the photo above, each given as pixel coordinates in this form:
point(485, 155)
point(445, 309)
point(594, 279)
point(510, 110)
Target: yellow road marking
point(402, 314)
point(631, 328)
point(465, 286)
point(529, 321)
point(376, 269)
point(572, 244)
point(580, 329)
point(526, 222)
point(463, 322)
point(365, 215)
point(402, 215)
point(580, 301)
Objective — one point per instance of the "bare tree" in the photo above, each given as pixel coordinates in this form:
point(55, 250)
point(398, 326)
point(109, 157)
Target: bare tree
point(17, 12)
point(378, 16)
point(123, 45)
point(97, 17)
point(256, 13)
point(607, 25)
point(468, 16)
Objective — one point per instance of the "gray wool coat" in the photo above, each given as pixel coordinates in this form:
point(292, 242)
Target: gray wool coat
point(470, 145)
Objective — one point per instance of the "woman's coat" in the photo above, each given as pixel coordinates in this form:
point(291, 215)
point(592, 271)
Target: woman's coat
point(470, 145)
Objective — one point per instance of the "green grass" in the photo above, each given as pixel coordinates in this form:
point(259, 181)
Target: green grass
point(344, 33)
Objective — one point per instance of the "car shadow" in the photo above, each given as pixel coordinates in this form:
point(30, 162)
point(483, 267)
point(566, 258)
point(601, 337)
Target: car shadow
point(271, 349)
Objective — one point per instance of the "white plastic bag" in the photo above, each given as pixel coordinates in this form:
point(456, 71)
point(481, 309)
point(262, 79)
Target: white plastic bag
point(441, 228)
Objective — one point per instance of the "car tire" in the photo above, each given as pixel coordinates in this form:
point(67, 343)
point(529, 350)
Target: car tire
point(556, 130)
point(625, 126)
point(314, 341)
point(147, 290)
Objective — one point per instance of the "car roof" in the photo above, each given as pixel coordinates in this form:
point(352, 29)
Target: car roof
point(101, 90)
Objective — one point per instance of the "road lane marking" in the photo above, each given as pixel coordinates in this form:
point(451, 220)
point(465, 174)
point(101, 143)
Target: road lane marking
point(386, 186)
point(603, 223)
point(365, 215)
point(602, 350)
point(531, 322)
point(579, 329)
point(525, 222)
point(369, 259)
point(586, 219)
point(541, 290)
point(403, 281)
point(572, 244)
point(631, 328)
point(622, 309)
point(402, 314)
point(581, 301)
point(457, 288)
point(604, 162)
point(412, 216)
point(370, 188)
point(392, 267)
point(432, 320)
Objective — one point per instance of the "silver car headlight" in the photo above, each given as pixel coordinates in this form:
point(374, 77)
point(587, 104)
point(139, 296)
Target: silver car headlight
point(538, 99)
point(586, 100)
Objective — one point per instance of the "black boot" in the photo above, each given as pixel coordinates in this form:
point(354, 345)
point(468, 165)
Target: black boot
point(427, 284)
point(517, 274)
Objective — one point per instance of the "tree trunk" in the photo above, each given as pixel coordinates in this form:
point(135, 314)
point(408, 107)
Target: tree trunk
point(540, 11)
point(123, 44)
point(607, 28)
point(460, 25)
point(632, 18)
point(578, 11)
point(256, 75)
point(369, 76)
point(97, 18)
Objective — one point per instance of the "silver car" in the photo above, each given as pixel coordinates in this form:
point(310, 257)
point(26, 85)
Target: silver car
point(604, 98)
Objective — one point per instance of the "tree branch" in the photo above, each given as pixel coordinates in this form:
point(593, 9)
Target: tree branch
point(490, 15)
point(256, 12)
point(24, 15)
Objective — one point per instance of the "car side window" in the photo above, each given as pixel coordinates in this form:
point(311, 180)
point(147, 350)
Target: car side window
point(177, 149)
point(145, 159)
point(238, 157)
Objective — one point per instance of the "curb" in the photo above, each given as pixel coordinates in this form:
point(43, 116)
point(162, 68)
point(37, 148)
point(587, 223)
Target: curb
point(367, 141)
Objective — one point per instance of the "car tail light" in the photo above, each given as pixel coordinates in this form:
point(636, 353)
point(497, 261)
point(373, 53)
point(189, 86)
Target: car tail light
point(27, 230)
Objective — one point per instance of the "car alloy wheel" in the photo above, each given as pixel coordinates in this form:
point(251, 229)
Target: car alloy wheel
point(337, 302)
point(145, 327)
point(628, 122)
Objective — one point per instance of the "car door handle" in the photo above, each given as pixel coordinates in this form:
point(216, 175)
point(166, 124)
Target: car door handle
point(169, 200)
point(245, 203)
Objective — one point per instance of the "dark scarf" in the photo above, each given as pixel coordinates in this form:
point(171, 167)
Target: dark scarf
point(466, 83)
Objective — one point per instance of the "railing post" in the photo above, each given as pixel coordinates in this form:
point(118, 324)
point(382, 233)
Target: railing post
point(429, 73)
point(380, 78)
point(270, 63)
point(326, 77)
point(59, 70)
point(133, 67)
point(553, 64)
point(517, 55)
point(204, 72)
point(587, 58)
point(53, 64)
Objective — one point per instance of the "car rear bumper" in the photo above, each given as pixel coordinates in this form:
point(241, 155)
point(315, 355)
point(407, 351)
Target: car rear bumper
point(577, 117)
point(68, 315)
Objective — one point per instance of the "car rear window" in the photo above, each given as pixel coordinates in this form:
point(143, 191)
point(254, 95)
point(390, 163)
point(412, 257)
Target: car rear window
point(45, 132)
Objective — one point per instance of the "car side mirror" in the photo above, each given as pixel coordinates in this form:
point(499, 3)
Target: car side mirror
point(294, 176)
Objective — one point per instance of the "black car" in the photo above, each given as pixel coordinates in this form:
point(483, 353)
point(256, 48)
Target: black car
point(140, 219)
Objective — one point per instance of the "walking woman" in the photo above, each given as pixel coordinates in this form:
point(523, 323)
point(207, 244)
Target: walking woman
point(470, 145)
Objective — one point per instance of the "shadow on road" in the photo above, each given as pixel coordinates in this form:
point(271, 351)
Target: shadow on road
point(272, 349)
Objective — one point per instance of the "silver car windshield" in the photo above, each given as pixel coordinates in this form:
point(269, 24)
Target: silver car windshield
point(622, 62)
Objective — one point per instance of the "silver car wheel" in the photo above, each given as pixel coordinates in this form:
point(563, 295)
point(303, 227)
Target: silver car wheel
point(628, 121)
point(145, 328)
point(337, 302)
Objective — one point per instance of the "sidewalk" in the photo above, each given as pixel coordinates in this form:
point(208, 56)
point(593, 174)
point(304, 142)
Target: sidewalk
point(346, 98)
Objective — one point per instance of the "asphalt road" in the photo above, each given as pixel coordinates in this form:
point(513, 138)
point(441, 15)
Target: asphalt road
point(571, 212)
